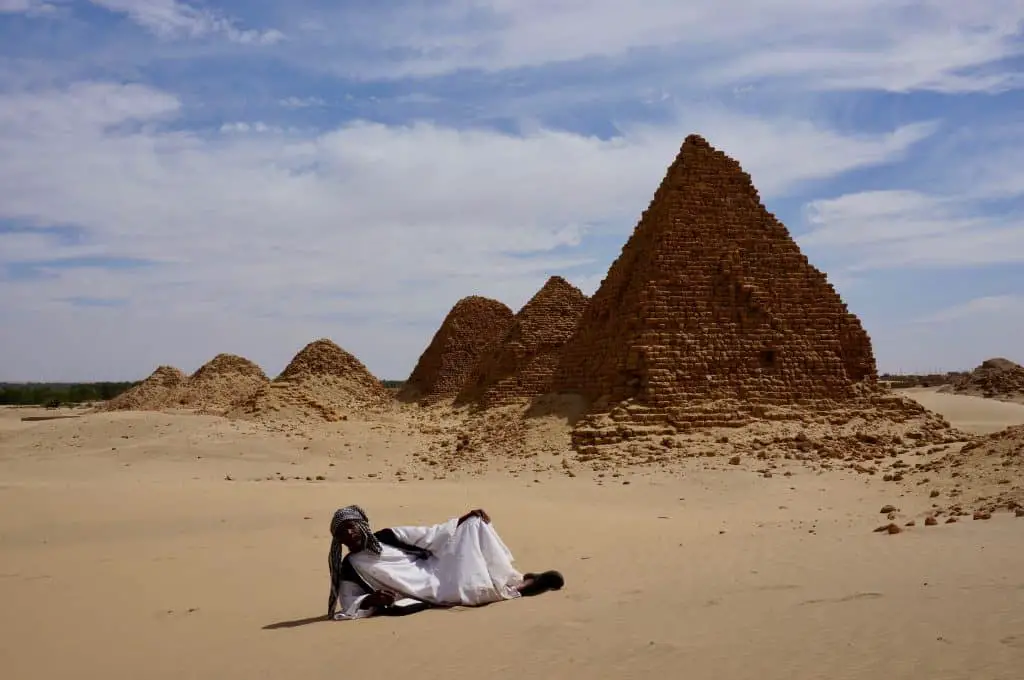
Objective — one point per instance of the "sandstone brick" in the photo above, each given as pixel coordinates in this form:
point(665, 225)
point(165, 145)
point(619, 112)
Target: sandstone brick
point(523, 362)
point(473, 326)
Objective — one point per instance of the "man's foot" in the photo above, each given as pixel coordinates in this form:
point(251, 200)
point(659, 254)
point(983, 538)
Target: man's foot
point(535, 584)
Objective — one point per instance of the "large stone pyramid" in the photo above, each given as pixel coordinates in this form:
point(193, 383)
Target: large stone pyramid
point(711, 300)
point(473, 325)
point(523, 363)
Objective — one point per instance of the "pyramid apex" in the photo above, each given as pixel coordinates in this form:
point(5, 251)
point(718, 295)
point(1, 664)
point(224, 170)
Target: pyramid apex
point(696, 141)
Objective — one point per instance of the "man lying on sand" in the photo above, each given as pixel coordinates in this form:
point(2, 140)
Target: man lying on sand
point(404, 569)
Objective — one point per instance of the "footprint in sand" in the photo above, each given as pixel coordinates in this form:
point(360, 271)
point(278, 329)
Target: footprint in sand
point(848, 598)
point(1015, 641)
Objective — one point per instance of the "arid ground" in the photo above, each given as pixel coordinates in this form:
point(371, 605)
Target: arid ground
point(169, 545)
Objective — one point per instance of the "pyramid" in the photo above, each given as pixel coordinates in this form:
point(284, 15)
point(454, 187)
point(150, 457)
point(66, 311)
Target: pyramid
point(162, 389)
point(996, 378)
point(222, 381)
point(711, 301)
point(522, 364)
point(472, 326)
point(322, 382)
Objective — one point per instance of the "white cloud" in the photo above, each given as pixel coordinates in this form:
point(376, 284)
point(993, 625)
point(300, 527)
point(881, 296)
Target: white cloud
point(173, 19)
point(874, 217)
point(31, 7)
point(384, 225)
point(899, 228)
point(898, 45)
point(983, 306)
point(301, 102)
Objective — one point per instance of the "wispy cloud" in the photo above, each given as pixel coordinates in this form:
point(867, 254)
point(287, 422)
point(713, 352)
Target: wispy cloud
point(301, 102)
point(174, 19)
point(32, 7)
point(983, 306)
point(899, 229)
point(896, 45)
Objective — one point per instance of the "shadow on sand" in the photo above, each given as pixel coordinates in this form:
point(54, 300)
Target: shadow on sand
point(296, 623)
point(395, 611)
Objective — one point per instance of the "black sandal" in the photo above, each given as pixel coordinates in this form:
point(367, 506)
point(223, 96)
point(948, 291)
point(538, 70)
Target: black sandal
point(542, 583)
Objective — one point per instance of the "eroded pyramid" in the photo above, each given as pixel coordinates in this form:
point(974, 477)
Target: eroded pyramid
point(221, 382)
point(711, 300)
point(473, 325)
point(996, 378)
point(162, 389)
point(323, 382)
point(523, 362)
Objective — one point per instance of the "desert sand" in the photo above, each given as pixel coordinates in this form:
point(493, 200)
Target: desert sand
point(127, 553)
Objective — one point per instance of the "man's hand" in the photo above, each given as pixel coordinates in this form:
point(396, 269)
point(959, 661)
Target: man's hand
point(482, 514)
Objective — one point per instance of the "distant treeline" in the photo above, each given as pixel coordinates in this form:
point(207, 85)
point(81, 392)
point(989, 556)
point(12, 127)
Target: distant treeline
point(53, 394)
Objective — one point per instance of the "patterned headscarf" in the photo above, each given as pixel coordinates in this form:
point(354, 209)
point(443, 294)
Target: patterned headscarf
point(356, 515)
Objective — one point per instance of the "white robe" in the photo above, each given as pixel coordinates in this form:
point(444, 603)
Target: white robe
point(470, 566)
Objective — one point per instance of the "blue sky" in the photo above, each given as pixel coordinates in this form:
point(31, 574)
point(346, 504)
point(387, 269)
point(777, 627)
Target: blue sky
point(179, 179)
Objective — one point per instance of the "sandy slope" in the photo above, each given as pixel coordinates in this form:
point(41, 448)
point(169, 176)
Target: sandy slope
point(125, 553)
point(972, 414)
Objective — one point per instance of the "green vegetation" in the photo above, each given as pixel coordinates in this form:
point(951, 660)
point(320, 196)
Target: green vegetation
point(392, 384)
point(54, 394)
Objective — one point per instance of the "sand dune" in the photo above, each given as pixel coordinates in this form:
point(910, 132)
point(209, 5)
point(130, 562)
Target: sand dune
point(126, 553)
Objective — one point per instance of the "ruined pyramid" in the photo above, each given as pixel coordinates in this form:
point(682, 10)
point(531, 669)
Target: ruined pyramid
point(222, 381)
point(522, 363)
point(712, 302)
point(162, 389)
point(322, 382)
point(472, 326)
point(996, 378)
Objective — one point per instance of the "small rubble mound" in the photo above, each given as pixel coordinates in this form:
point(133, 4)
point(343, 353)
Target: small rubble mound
point(162, 389)
point(473, 325)
point(322, 383)
point(984, 476)
point(221, 382)
point(523, 363)
point(860, 437)
point(995, 379)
